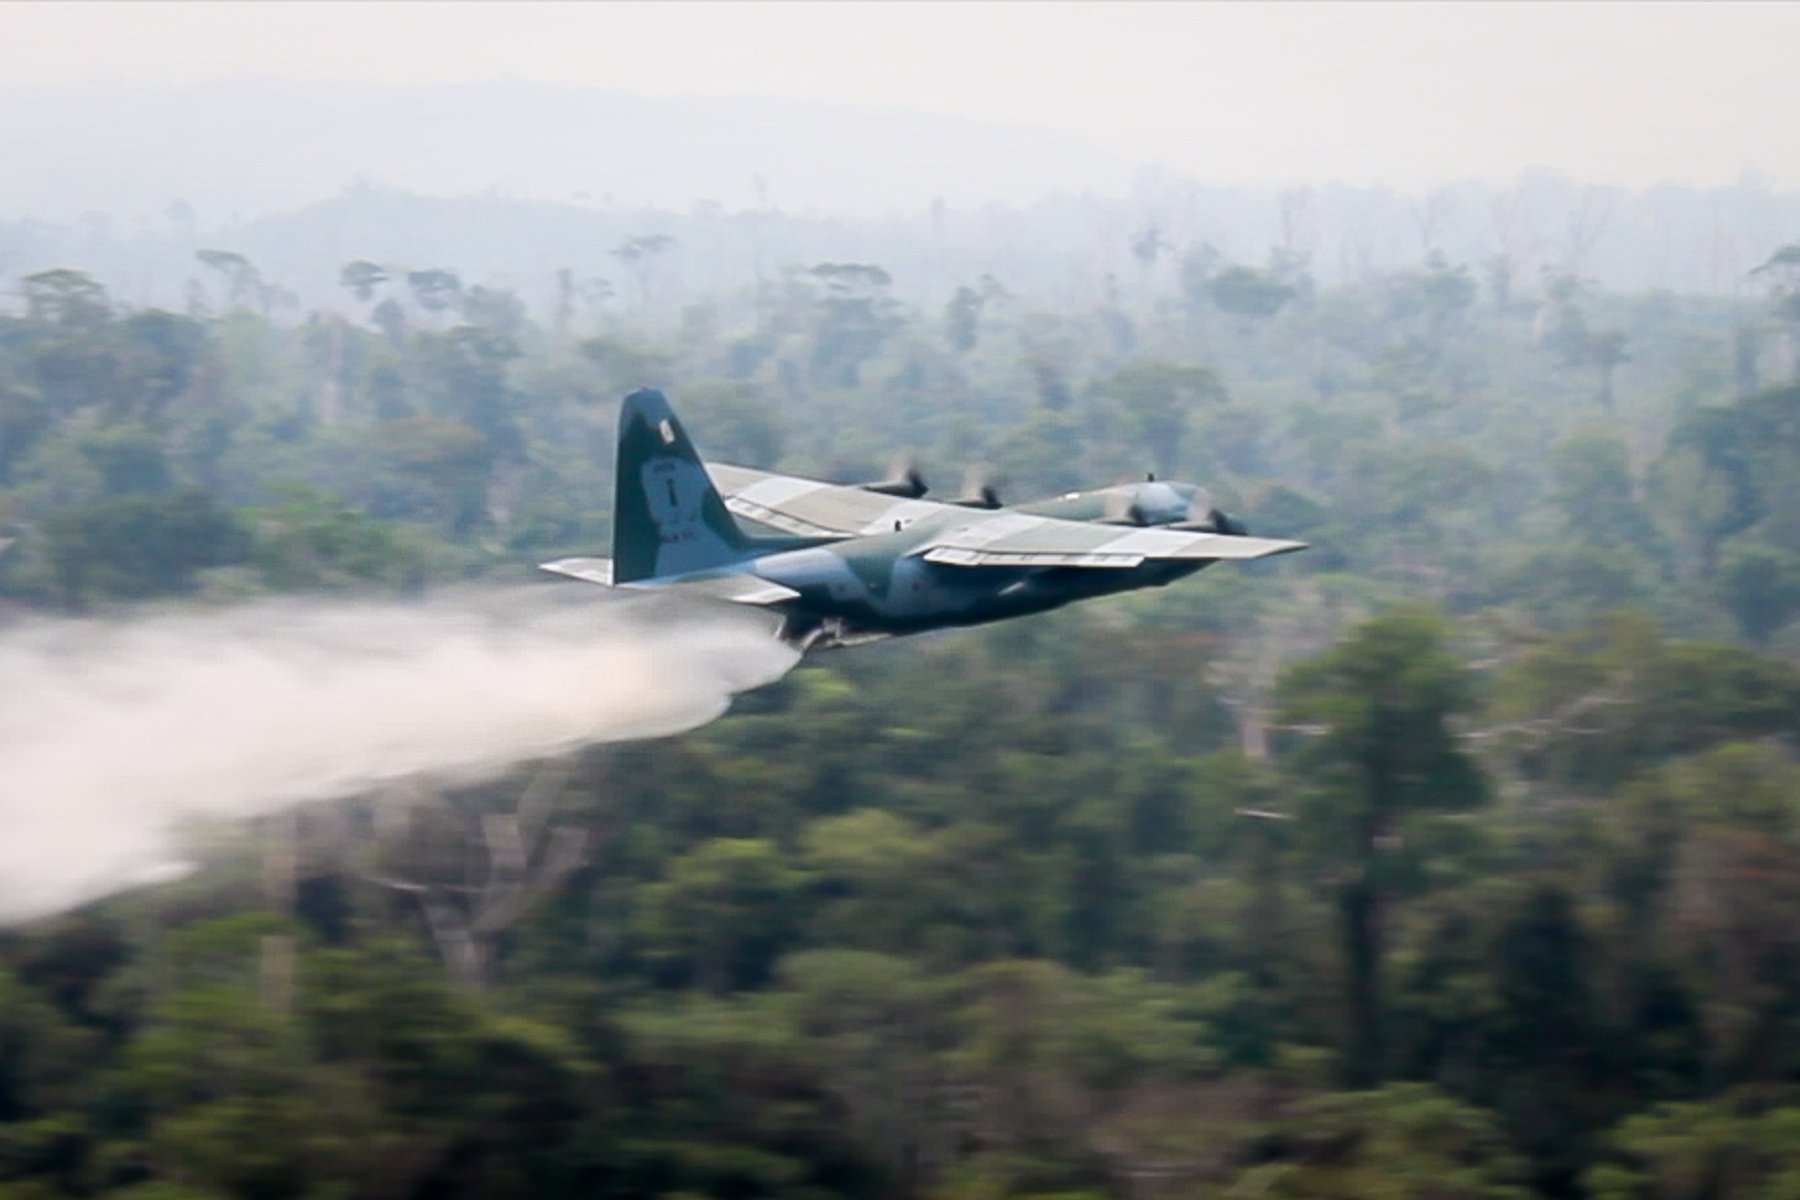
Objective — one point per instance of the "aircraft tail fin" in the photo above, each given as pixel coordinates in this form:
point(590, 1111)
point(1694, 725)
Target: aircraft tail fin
point(668, 517)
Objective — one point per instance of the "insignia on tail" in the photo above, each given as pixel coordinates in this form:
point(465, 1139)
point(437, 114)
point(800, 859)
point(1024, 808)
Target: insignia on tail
point(668, 518)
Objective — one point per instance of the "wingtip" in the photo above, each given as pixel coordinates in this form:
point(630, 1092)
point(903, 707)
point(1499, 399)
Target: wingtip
point(1270, 547)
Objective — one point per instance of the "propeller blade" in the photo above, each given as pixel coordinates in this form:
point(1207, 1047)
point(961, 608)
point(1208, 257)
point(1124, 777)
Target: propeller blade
point(904, 480)
point(1205, 517)
point(1122, 508)
point(978, 489)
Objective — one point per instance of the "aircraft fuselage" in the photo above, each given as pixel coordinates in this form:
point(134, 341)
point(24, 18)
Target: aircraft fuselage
point(879, 586)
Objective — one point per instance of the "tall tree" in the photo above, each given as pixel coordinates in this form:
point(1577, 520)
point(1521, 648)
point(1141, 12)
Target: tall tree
point(1376, 710)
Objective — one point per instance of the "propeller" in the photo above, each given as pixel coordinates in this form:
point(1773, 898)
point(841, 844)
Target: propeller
point(979, 488)
point(1122, 508)
point(1203, 517)
point(904, 480)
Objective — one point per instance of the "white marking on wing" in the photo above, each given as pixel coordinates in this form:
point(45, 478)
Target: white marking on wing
point(1158, 542)
point(778, 520)
point(986, 532)
point(771, 493)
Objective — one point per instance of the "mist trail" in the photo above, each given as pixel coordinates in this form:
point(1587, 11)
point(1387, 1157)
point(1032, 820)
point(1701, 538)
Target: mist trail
point(114, 733)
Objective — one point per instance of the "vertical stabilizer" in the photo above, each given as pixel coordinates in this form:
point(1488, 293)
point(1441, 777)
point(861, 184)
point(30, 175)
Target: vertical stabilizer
point(667, 516)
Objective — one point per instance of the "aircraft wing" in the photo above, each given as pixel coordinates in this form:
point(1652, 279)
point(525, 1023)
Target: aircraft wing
point(1022, 540)
point(810, 508)
point(736, 586)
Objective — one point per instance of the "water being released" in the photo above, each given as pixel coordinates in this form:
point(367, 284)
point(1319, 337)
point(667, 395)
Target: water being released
point(114, 733)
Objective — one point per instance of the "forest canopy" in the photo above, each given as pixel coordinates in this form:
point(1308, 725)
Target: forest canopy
point(1458, 856)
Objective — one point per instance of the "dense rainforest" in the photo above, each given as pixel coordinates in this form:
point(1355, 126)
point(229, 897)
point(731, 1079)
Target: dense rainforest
point(1456, 857)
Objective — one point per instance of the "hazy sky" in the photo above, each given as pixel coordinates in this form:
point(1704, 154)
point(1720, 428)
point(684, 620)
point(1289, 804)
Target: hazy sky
point(1405, 94)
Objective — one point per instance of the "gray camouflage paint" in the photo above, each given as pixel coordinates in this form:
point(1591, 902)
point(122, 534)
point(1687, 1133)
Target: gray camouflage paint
point(857, 565)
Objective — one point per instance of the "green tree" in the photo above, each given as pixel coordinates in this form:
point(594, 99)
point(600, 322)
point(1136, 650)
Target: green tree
point(1247, 292)
point(70, 300)
point(1731, 1149)
point(131, 460)
point(1593, 486)
point(877, 1027)
point(962, 319)
point(1760, 586)
point(1401, 1142)
point(310, 540)
point(138, 546)
point(242, 280)
point(853, 320)
point(1544, 1036)
point(740, 426)
point(874, 869)
point(435, 289)
point(1158, 401)
point(1782, 271)
point(722, 916)
point(1382, 750)
point(362, 277)
point(1612, 698)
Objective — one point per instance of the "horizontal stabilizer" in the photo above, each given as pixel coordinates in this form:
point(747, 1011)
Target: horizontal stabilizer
point(590, 570)
point(739, 589)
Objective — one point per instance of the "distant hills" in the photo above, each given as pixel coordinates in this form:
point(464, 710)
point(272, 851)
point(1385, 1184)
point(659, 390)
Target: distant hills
point(507, 183)
point(243, 147)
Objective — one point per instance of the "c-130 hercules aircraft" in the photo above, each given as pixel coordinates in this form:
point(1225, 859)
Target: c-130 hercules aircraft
point(856, 563)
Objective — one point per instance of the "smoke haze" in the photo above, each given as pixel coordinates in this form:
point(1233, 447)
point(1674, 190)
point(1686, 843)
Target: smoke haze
point(114, 733)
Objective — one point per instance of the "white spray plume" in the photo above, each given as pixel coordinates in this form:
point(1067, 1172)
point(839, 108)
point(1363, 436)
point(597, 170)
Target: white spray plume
point(114, 733)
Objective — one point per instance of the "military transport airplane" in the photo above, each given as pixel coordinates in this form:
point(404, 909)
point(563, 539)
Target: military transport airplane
point(849, 563)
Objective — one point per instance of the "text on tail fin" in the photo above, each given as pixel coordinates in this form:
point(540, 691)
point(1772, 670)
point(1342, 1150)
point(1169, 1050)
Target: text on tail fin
point(668, 519)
